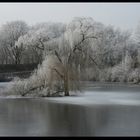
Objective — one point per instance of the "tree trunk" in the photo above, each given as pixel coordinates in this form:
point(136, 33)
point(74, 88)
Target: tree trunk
point(66, 84)
point(16, 61)
point(48, 94)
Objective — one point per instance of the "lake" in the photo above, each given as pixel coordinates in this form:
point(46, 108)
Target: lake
point(100, 110)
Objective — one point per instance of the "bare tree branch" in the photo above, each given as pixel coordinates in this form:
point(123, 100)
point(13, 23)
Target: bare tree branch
point(58, 56)
point(62, 76)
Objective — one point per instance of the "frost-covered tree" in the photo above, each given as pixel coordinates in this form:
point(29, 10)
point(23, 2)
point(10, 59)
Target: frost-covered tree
point(72, 49)
point(39, 35)
point(9, 34)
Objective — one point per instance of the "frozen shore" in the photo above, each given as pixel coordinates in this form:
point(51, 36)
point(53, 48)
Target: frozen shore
point(97, 93)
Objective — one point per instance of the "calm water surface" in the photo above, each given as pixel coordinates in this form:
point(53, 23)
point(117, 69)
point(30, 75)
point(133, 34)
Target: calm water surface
point(104, 110)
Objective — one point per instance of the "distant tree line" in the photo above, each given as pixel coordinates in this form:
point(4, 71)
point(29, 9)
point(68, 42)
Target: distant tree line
point(24, 44)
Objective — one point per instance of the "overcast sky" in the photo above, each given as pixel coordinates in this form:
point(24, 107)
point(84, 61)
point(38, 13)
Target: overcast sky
point(123, 15)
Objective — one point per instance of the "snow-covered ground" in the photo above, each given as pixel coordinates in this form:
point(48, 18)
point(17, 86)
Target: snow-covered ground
point(98, 97)
point(96, 94)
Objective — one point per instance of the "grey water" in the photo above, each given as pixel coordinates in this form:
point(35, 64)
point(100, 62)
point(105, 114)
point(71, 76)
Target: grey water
point(102, 110)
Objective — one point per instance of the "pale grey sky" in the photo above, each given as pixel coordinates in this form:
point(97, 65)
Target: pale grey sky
point(123, 15)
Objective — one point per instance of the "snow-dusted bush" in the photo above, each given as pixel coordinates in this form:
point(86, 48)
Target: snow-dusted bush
point(105, 75)
point(43, 81)
point(90, 74)
point(134, 76)
point(118, 73)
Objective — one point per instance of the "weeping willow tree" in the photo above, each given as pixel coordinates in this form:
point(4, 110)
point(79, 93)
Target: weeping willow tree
point(70, 52)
